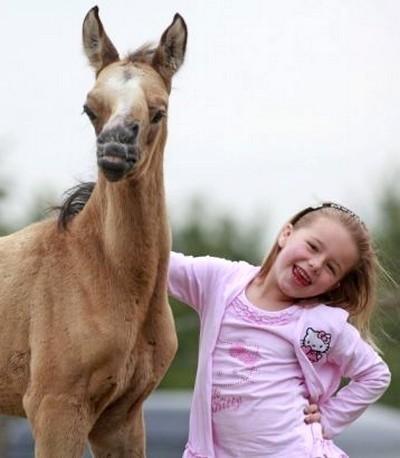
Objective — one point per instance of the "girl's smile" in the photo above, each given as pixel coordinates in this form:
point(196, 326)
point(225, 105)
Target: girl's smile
point(300, 276)
point(312, 260)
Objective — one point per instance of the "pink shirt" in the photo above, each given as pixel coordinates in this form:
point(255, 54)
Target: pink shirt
point(256, 377)
point(327, 347)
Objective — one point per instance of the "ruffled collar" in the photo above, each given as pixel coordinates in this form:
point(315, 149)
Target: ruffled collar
point(249, 312)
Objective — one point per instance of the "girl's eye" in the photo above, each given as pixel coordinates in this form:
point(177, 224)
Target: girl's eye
point(332, 269)
point(91, 115)
point(312, 246)
point(158, 116)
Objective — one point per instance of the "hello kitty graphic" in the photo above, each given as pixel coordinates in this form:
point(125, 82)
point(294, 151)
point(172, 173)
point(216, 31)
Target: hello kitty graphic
point(315, 344)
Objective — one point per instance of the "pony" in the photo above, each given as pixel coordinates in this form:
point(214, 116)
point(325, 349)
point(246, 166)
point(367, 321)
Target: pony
point(86, 329)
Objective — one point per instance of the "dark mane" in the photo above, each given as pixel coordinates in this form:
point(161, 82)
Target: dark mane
point(75, 200)
point(143, 54)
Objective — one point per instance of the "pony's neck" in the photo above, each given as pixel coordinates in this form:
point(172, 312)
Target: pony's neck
point(128, 217)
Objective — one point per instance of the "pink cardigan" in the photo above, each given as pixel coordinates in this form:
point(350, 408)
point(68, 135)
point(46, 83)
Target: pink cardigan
point(209, 284)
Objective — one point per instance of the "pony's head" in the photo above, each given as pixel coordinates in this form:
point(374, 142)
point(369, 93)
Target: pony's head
point(128, 104)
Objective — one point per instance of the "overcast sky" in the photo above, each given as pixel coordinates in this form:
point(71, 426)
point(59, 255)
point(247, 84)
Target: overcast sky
point(280, 104)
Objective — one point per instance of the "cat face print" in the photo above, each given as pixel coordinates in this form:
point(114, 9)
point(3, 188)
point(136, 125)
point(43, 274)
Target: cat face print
point(315, 343)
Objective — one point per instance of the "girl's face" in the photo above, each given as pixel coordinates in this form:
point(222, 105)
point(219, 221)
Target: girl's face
point(313, 258)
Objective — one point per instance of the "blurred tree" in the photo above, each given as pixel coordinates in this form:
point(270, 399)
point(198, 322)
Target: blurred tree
point(4, 227)
point(211, 232)
point(41, 207)
point(387, 236)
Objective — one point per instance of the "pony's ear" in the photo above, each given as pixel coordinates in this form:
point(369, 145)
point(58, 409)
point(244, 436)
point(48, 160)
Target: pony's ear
point(98, 47)
point(170, 52)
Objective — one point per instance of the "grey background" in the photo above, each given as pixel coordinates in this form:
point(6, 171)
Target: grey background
point(375, 435)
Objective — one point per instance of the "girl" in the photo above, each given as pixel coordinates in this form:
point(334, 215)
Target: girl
point(274, 337)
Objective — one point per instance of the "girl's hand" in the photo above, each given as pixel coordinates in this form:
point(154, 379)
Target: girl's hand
point(312, 414)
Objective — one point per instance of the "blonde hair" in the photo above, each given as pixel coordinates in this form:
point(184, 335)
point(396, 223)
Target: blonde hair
point(356, 291)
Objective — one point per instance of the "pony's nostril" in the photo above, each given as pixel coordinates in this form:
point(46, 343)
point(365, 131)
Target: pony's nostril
point(134, 128)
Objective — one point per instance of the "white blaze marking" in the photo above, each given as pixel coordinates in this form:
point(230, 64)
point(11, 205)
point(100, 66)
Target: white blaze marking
point(126, 93)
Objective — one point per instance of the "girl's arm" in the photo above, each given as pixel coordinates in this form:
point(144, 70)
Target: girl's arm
point(369, 377)
point(193, 279)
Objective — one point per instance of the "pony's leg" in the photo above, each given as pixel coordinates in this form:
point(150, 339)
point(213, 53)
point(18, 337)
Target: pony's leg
point(119, 434)
point(60, 425)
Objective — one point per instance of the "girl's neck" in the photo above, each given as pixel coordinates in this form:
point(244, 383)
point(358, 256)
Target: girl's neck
point(264, 294)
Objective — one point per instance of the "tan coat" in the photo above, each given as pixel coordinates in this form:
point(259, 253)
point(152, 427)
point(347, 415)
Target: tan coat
point(86, 330)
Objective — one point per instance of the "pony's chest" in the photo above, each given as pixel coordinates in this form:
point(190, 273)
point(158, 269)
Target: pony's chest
point(120, 351)
point(113, 359)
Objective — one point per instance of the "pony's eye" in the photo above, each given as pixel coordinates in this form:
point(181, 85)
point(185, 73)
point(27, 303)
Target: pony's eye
point(158, 116)
point(91, 115)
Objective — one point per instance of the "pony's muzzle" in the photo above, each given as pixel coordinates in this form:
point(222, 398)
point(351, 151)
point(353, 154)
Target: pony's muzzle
point(116, 152)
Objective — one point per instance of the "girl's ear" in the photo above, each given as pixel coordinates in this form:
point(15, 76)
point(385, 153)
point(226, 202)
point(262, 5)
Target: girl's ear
point(285, 233)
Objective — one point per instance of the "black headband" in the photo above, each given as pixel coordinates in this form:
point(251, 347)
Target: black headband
point(327, 205)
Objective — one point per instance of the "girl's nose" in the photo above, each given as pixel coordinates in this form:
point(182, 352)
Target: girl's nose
point(316, 263)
